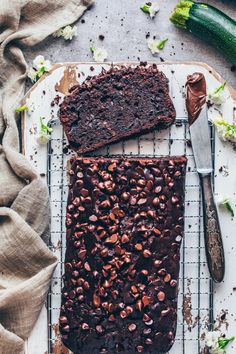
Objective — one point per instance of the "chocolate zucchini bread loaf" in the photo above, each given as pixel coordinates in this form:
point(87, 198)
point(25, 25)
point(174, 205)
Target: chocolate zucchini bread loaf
point(124, 230)
point(116, 104)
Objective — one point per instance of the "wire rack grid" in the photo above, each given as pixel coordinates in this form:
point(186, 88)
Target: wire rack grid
point(195, 301)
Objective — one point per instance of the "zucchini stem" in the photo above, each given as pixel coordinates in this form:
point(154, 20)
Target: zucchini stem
point(180, 14)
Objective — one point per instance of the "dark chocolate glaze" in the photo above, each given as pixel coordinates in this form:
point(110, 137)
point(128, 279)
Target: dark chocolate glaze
point(116, 104)
point(196, 95)
point(124, 229)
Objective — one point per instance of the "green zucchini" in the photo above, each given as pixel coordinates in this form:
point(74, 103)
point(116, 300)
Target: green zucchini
point(208, 24)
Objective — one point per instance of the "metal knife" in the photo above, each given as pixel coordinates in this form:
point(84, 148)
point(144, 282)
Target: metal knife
point(201, 145)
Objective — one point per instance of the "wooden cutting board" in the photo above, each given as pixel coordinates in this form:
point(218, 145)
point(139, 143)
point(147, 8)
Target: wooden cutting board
point(42, 100)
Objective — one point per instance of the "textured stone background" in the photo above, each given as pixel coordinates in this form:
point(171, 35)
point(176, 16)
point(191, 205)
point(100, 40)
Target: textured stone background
point(125, 26)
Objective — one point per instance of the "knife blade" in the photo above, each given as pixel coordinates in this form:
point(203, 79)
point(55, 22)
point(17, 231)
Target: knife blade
point(201, 142)
point(201, 145)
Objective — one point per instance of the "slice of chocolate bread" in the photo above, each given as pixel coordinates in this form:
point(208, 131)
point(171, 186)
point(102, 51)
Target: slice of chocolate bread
point(116, 104)
point(124, 230)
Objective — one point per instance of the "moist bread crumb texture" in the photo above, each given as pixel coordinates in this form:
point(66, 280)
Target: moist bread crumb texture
point(116, 104)
point(124, 229)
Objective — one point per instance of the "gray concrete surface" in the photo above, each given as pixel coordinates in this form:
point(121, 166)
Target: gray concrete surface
point(125, 27)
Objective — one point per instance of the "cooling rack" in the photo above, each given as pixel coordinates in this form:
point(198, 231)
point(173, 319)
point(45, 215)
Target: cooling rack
point(195, 290)
point(195, 301)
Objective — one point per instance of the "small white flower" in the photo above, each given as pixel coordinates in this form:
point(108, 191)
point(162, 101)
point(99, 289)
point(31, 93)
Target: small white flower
point(225, 130)
point(99, 54)
point(215, 343)
point(32, 74)
point(153, 9)
point(58, 33)
point(212, 339)
point(67, 32)
point(38, 62)
point(43, 138)
point(224, 170)
point(153, 46)
point(47, 65)
point(40, 65)
point(150, 7)
point(217, 95)
point(44, 132)
point(156, 44)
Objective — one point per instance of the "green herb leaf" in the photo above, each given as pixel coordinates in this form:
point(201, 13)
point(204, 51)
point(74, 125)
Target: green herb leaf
point(220, 88)
point(228, 206)
point(224, 342)
point(22, 108)
point(226, 130)
point(92, 49)
point(226, 203)
point(41, 71)
point(162, 43)
point(44, 127)
point(145, 8)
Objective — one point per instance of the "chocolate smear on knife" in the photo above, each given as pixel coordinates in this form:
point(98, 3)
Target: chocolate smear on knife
point(196, 95)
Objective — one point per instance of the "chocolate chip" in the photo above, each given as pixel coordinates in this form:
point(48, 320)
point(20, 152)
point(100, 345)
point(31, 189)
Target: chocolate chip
point(156, 231)
point(72, 294)
point(147, 331)
point(142, 201)
point(146, 317)
point(125, 196)
point(151, 213)
point(149, 185)
point(112, 239)
point(165, 312)
point(124, 239)
point(145, 300)
point(123, 314)
point(147, 253)
point(81, 254)
point(85, 326)
point(66, 329)
point(79, 290)
point(133, 200)
point(111, 318)
point(139, 305)
point(132, 327)
point(149, 323)
point(161, 296)
point(96, 300)
point(63, 320)
point(138, 246)
point(148, 341)
point(156, 201)
point(93, 218)
point(100, 329)
point(167, 278)
point(103, 351)
point(129, 310)
point(173, 283)
point(140, 349)
point(87, 266)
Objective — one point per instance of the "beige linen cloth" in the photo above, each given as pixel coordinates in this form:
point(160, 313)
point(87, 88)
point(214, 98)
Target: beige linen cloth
point(26, 264)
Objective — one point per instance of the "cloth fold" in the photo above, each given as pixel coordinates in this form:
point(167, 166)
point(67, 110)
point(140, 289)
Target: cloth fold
point(26, 263)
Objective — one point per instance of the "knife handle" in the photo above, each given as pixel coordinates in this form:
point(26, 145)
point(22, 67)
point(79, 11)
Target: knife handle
point(212, 234)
